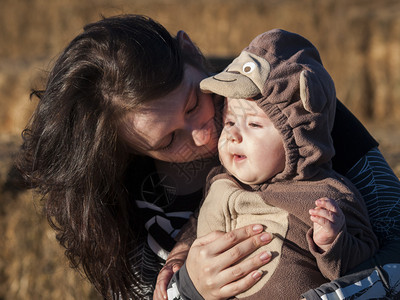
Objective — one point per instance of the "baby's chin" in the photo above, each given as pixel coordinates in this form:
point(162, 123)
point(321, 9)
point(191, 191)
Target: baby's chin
point(263, 178)
point(255, 182)
point(249, 181)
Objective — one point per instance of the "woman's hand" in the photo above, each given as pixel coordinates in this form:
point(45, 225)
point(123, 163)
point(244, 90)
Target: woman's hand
point(211, 261)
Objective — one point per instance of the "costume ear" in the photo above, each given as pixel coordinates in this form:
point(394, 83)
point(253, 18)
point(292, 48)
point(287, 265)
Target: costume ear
point(186, 44)
point(313, 93)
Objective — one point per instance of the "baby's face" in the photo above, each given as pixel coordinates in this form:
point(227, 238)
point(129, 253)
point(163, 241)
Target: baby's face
point(250, 147)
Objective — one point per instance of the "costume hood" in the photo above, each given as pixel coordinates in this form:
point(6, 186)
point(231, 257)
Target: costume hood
point(283, 73)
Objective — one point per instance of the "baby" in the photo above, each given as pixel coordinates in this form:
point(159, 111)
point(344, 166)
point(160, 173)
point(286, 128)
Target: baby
point(276, 151)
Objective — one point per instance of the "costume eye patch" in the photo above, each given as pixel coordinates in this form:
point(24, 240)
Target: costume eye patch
point(248, 67)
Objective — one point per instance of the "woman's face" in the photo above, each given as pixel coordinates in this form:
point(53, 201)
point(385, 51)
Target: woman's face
point(178, 127)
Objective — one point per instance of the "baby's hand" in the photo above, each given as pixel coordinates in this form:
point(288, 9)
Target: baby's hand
point(165, 275)
point(328, 220)
point(174, 262)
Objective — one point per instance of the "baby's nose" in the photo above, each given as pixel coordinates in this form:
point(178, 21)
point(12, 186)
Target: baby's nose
point(234, 135)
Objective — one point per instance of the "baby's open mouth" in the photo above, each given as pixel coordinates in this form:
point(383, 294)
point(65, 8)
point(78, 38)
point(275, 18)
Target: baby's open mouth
point(238, 157)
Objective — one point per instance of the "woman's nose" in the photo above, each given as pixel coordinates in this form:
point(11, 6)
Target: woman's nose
point(234, 135)
point(202, 136)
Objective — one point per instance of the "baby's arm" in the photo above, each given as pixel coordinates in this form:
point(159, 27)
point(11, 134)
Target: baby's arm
point(328, 220)
point(176, 258)
point(174, 262)
point(355, 241)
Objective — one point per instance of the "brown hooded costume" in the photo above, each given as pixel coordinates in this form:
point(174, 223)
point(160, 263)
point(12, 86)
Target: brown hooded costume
point(284, 74)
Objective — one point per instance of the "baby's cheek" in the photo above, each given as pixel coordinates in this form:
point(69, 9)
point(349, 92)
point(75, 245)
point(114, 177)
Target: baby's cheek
point(222, 141)
point(222, 150)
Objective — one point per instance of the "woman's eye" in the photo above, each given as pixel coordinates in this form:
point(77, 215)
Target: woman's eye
point(167, 147)
point(229, 124)
point(248, 67)
point(194, 107)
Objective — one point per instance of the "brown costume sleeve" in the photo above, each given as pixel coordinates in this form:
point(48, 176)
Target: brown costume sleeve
point(357, 241)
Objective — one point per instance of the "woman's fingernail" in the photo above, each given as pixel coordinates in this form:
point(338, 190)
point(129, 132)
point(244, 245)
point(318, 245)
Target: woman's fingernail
point(257, 228)
point(256, 274)
point(265, 237)
point(265, 255)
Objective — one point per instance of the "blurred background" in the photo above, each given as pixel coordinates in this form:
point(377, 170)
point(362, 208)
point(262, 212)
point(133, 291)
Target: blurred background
point(359, 42)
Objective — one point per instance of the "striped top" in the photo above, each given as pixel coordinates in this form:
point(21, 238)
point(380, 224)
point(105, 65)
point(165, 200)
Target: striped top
point(163, 214)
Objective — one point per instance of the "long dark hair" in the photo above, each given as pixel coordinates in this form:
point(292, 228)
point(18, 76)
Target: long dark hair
point(72, 154)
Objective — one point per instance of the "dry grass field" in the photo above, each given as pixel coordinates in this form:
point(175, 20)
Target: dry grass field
point(359, 42)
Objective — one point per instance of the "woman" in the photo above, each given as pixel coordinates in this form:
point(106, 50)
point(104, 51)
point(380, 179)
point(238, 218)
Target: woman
point(120, 144)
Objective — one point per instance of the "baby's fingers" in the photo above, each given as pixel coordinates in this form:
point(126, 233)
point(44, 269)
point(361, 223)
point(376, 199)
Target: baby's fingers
point(327, 204)
point(165, 275)
point(323, 222)
point(176, 267)
point(320, 213)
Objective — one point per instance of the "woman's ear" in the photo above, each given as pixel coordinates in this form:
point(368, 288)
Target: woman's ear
point(188, 47)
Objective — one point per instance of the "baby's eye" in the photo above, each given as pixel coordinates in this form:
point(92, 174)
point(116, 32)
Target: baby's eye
point(229, 123)
point(255, 125)
point(248, 67)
